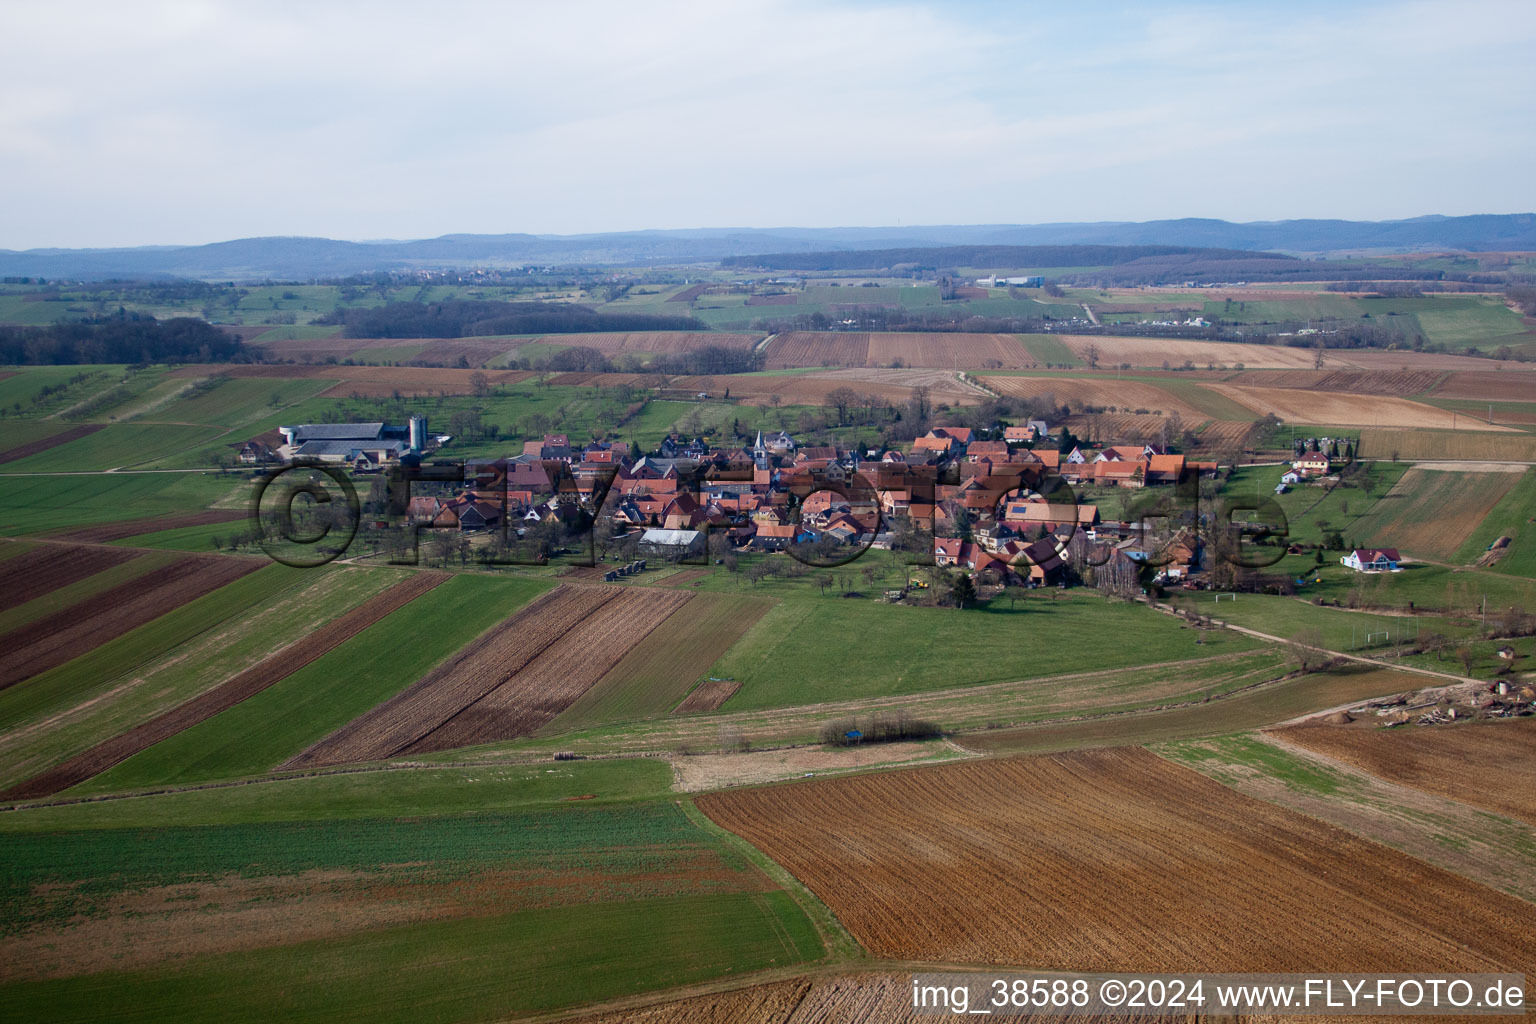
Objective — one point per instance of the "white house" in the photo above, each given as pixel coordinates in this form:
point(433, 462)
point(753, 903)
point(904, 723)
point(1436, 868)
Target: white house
point(1372, 560)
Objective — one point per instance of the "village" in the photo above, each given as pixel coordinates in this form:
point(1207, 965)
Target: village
point(1014, 505)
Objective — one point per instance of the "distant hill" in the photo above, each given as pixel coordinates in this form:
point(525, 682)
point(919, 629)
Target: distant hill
point(998, 256)
point(304, 258)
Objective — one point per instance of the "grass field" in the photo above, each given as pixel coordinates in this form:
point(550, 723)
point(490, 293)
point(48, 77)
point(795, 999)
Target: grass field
point(810, 648)
point(116, 445)
point(1047, 349)
point(1515, 517)
point(32, 504)
point(1243, 711)
point(64, 688)
point(318, 900)
point(319, 698)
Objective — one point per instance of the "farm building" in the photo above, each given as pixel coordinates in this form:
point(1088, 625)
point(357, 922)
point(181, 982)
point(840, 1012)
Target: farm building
point(672, 543)
point(1372, 560)
point(375, 443)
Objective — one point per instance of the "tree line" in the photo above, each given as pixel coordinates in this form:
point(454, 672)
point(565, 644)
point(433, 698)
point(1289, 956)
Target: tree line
point(124, 338)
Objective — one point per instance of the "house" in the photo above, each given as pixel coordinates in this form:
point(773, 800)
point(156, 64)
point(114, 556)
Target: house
point(1291, 477)
point(1372, 560)
point(254, 453)
point(672, 543)
point(1313, 464)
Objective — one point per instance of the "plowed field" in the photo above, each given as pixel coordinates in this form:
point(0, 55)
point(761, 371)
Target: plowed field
point(1115, 860)
point(51, 641)
point(1447, 445)
point(1126, 396)
point(1336, 409)
point(227, 694)
point(939, 349)
point(1490, 386)
point(708, 696)
point(48, 567)
point(1491, 765)
point(794, 349)
point(840, 999)
point(22, 451)
point(510, 681)
point(365, 380)
point(1174, 351)
point(1430, 512)
point(1403, 383)
point(813, 388)
point(154, 524)
point(614, 343)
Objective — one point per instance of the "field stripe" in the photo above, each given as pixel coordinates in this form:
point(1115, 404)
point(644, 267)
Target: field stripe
point(46, 568)
point(52, 641)
point(23, 451)
point(226, 695)
point(528, 699)
point(477, 670)
point(107, 532)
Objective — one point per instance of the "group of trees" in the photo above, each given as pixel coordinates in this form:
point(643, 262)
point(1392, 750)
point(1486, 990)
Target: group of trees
point(124, 338)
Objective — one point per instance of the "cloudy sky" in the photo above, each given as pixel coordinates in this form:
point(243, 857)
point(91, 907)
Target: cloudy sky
point(185, 122)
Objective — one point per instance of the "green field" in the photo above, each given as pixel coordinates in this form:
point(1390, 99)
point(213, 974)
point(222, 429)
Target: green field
point(1514, 517)
point(615, 895)
point(34, 504)
point(73, 593)
point(811, 648)
point(116, 445)
point(1047, 349)
point(368, 669)
point(65, 687)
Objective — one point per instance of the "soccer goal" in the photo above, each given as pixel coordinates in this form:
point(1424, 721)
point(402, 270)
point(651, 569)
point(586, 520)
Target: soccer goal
point(1383, 636)
point(1229, 597)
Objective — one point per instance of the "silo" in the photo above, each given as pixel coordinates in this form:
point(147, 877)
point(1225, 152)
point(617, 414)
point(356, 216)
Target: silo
point(418, 434)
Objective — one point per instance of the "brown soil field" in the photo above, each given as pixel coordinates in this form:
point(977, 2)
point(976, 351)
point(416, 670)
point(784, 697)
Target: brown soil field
point(1125, 395)
point(1332, 408)
point(708, 696)
point(153, 524)
point(950, 351)
point(1377, 359)
point(835, 999)
point(1430, 512)
point(808, 389)
point(314, 350)
point(942, 385)
point(474, 351)
point(1403, 383)
point(1489, 386)
point(793, 349)
point(1218, 435)
point(773, 300)
point(1174, 351)
point(21, 451)
point(510, 681)
point(1491, 765)
point(610, 380)
point(1115, 860)
point(47, 567)
point(940, 349)
point(690, 293)
point(615, 343)
point(227, 694)
point(364, 380)
point(1448, 445)
point(552, 680)
point(1117, 428)
point(55, 639)
point(654, 675)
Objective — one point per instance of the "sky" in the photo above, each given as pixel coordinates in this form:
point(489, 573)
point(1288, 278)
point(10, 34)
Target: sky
point(191, 122)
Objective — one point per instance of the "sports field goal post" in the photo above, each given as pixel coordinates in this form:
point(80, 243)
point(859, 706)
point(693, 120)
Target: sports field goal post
point(1384, 634)
point(1229, 597)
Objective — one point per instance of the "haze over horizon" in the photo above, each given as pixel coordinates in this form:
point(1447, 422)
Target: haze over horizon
point(188, 123)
